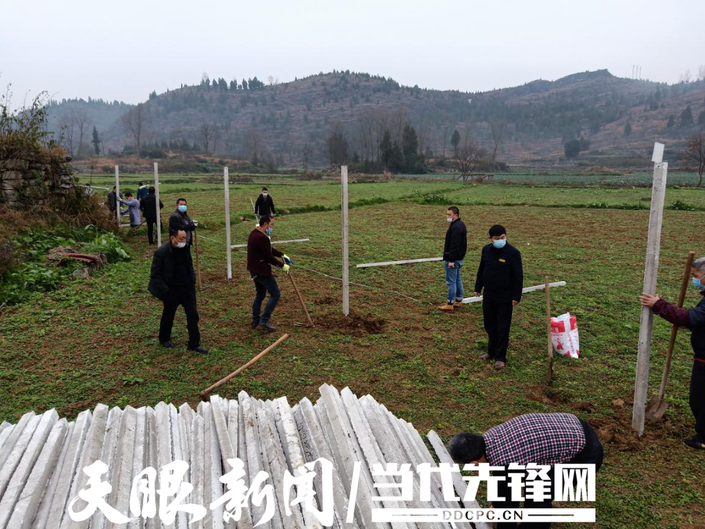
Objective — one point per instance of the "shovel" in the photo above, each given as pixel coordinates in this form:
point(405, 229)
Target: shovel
point(657, 406)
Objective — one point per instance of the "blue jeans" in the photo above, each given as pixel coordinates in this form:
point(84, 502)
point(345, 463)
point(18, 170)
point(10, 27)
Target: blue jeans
point(264, 285)
point(454, 282)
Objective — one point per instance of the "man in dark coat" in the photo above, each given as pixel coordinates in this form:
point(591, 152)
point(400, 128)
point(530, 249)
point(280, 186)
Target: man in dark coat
point(454, 250)
point(265, 205)
point(142, 191)
point(179, 220)
point(260, 258)
point(173, 281)
point(501, 276)
point(693, 319)
point(148, 205)
point(111, 201)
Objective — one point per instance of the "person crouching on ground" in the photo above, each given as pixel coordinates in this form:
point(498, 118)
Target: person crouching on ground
point(501, 276)
point(173, 281)
point(539, 438)
point(260, 258)
point(693, 319)
point(454, 250)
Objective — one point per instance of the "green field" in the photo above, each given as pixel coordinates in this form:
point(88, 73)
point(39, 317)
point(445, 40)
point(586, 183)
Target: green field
point(95, 340)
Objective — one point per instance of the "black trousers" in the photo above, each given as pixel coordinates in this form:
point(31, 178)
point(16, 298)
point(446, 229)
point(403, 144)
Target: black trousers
point(697, 398)
point(592, 453)
point(151, 222)
point(498, 321)
point(186, 297)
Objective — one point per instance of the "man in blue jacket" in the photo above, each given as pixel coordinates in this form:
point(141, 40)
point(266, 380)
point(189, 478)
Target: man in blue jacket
point(454, 250)
point(693, 319)
point(501, 276)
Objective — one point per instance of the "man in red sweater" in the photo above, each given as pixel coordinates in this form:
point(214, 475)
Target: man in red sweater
point(260, 258)
point(693, 319)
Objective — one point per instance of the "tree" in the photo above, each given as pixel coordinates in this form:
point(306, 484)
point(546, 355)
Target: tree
point(96, 141)
point(337, 148)
point(468, 158)
point(686, 117)
point(627, 129)
point(244, 84)
point(572, 148)
point(410, 148)
point(695, 153)
point(207, 133)
point(497, 135)
point(306, 156)
point(67, 127)
point(134, 122)
point(671, 121)
point(82, 121)
point(385, 150)
point(455, 141)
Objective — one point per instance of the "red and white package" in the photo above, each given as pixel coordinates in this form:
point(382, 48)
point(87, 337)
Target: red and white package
point(564, 335)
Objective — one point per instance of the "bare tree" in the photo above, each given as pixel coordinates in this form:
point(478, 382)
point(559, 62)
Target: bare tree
point(695, 153)
point(498, 128)
point(306, 155)
point(134, 122)
point(207, 133)
point(468, 159)
point(67, 128)
point(82, 122)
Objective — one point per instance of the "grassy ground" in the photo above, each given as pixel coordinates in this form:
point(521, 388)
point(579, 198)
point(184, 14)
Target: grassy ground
point(95, 340)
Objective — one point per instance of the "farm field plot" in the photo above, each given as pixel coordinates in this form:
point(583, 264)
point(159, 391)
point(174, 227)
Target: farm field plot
point(95, 340)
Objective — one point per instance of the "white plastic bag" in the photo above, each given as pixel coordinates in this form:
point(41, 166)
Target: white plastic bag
point(564, 335)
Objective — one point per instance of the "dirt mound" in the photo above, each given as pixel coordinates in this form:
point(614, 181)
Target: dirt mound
point(355, 323)
point(327, 300)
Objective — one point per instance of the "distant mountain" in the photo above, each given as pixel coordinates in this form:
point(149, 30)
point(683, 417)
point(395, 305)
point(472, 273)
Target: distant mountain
point(292, 122)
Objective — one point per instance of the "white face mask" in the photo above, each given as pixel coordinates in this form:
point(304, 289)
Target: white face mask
point(181, 245)
point(449, 219)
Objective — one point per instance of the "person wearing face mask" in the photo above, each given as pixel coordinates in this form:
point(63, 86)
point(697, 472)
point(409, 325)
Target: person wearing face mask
point(693, 319)
point(179, 220)
point(260, 258)
point(501, 276)
point(456, 245)
point(173, 282)
point(264, 206)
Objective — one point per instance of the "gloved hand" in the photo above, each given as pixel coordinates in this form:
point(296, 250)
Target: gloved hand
point(195, 223)
point(288, 260)
point(286, 268)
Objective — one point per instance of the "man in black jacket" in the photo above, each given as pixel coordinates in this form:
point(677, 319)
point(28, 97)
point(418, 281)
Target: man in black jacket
point(501, 276)
point(265, 205)
point(454, 250)
point(173, 281)
point(148, 205)
point(179, 220)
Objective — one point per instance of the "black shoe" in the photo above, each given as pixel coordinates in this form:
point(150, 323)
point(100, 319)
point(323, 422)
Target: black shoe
point(695, 442)
point(266, 327)
point(168, 345)
point(198, 349)
point(255, 324)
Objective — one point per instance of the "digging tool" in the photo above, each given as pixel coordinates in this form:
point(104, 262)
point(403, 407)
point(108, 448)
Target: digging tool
point(301, 299)
point(206, 393)
point(657, 406)
point(254, 211)
point(548, 331)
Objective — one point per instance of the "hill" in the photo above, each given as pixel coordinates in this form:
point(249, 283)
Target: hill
point(291, 123)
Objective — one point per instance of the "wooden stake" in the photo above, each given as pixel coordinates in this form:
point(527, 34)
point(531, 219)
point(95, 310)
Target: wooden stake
point(548, 332)
point(408, 261)
point(205, 394)
point(117, 194)
point(228, 250)
point(301, 299)
point(198, 261)
point(254, 211)
point(159, 213)
point(641, 384)
point(346, 262)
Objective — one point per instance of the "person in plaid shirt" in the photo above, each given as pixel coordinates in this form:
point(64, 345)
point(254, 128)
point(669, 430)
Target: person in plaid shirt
point(540, 438)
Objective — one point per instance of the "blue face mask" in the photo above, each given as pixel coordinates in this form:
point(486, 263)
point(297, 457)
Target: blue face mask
point(499, 244)
point(264, 194)
point(269, 232)
point(182, 209)
point(697, 284)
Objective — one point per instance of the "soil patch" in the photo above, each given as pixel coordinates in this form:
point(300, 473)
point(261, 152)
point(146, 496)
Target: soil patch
point(356, 323)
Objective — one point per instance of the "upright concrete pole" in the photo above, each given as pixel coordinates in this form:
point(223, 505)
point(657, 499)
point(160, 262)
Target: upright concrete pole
point(117, 194)
point(228, 249)
point(653, 245)
point(346, 262)
point(159, 213)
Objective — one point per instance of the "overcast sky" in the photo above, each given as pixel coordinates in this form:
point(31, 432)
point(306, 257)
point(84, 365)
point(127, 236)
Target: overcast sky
point(125, 49)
